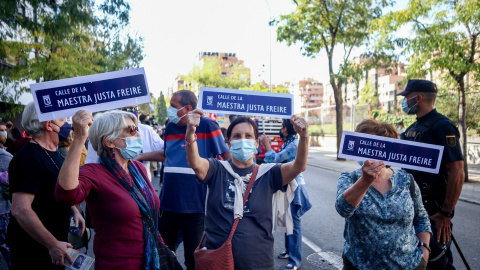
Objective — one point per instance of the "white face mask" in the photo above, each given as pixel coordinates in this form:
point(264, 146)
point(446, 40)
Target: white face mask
point(4, 133)
point(243, 149)
point(172, 114)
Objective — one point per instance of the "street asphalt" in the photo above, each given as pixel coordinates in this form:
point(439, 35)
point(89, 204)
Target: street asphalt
point(324, 159)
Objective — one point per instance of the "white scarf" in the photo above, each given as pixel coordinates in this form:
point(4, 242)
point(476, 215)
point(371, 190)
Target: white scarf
point(241, 183)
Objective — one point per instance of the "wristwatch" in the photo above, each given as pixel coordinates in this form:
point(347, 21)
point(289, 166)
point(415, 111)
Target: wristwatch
point(447, 214)
point(422, 244)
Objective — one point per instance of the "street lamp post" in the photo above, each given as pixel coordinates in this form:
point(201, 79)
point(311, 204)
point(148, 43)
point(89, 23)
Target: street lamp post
point(270, 29)
point(306, 107)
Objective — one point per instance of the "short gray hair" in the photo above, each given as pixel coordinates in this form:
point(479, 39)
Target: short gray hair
point(108, 124)
point(30, 121)
point(187, 97)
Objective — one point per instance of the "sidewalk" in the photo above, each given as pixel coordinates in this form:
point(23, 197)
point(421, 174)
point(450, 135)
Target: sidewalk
point(325, 158)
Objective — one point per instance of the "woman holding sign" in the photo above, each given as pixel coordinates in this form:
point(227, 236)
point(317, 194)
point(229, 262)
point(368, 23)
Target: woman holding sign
point(252, 240)
point(386, 225)
point(121, 200)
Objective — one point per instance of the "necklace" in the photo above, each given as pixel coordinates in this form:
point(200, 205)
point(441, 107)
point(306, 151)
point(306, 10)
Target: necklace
point(45, 150)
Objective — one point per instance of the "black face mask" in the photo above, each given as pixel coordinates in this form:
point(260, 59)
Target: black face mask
point(9, 125)
point(64, 131)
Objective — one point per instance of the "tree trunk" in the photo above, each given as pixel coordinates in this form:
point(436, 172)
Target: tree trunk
point(337, 93)
point(462, 121)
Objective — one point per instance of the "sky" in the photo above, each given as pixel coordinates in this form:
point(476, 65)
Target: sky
point(175, 32)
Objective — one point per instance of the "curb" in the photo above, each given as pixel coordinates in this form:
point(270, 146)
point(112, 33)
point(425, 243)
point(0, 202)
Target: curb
point(326, 168)
point(468, 201)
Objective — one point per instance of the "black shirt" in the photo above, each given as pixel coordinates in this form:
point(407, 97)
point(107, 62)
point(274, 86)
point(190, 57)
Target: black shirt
point(33, 171)
point(434, 128)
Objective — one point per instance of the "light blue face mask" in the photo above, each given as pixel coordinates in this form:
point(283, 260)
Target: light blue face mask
point(361, 162)
point(243, 149)
point(409, 110)
point(133, 149)
point(172, 114)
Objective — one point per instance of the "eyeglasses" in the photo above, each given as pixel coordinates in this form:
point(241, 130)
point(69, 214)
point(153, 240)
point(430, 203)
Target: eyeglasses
point(132, 129)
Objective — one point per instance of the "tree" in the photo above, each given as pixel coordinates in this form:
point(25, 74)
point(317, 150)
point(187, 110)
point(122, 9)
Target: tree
point(70, 38)
point(444, 40)
point(327, 25)
point(210, 75)
point(262, 87)
point(161, 109)
point(144, 108)
point(369, 95)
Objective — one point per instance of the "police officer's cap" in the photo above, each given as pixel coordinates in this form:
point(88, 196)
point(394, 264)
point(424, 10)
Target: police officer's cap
point(419, 86)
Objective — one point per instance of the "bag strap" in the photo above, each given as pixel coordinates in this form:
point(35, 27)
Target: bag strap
point(412, 186)
point(245, 196)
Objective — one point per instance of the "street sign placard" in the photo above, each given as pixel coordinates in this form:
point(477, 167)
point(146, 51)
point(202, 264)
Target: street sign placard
point(394, 152)
point(232, 101)
point(99, 92)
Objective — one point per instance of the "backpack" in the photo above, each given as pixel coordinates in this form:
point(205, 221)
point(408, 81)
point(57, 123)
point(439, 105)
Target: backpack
point(412, 183)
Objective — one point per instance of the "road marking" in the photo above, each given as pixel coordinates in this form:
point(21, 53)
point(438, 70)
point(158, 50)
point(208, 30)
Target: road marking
point(330, 257)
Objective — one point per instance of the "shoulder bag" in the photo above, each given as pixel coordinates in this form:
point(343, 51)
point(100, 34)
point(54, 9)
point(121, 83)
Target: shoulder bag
point(221, 258)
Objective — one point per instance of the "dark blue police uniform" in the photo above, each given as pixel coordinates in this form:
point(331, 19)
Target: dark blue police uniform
point(434, 128)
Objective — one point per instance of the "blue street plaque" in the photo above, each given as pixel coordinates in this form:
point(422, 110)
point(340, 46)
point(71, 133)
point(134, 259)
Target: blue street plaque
point(394, 152)
point(231, 101)
point(99, 92)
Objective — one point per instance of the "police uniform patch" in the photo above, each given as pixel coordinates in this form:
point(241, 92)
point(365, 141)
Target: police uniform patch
point(451, 140)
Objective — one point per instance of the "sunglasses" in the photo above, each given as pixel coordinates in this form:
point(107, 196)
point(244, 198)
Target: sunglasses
point(132, 129)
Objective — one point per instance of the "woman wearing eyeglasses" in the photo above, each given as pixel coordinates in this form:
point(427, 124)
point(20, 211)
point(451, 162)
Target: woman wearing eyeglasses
point(121, 200)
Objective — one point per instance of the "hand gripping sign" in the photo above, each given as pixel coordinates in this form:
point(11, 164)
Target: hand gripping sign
point(394, 152)
point(99, 92)
point(232, 101)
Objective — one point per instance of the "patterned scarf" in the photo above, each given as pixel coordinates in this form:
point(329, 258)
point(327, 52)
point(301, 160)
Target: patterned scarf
point(155, 255)
point(287, 140)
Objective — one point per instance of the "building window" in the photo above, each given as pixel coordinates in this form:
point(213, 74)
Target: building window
point(224, 74)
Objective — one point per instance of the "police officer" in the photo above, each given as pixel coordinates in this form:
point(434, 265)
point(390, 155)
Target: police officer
point(440, 192)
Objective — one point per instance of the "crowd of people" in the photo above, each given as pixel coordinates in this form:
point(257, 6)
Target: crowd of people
point(213, 191)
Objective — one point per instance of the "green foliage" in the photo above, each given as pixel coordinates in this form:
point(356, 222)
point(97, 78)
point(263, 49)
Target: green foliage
point(326, 25)
point(210, 75)
point(259, 87)
point(69, 39)
point(447, 104)
point(368, 94)
point(161, 109)
point(443, 43)
point(393, 119)
point(328, 129)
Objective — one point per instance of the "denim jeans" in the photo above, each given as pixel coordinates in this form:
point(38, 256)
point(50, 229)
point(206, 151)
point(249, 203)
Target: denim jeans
point(191, 227)
point(293, 242)
point(4, 218)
